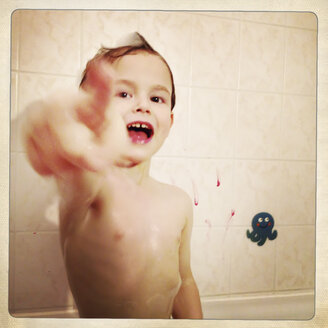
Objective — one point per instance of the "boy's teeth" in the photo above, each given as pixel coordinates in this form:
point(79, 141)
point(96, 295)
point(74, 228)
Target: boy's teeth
point(137, 125)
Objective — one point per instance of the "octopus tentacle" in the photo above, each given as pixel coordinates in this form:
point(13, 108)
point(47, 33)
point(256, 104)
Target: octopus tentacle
point(255, 237)
point(272, 235)
point(262, 241)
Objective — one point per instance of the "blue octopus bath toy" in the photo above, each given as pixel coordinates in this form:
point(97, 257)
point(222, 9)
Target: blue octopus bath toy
point(262, 224)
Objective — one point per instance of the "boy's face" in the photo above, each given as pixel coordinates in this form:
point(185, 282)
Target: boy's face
point(142, 97)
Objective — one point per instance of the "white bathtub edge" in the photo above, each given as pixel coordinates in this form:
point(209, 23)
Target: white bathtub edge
point(294, 305)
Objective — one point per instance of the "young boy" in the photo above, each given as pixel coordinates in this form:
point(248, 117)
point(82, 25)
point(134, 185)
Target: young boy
point(125, 237)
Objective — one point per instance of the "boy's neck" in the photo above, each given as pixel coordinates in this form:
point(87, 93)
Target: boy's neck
point(137, 173)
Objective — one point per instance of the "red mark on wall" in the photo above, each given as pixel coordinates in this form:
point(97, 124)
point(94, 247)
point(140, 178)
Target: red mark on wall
point(196, 201)
point(217, 178)
point(232, 213)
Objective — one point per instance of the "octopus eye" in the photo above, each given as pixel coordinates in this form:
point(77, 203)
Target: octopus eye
point(260, 220)
point(266, 219)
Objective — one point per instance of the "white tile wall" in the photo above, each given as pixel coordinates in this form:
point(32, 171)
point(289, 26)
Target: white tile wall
point(300, 64)
point(50, 41)
point(295, 257)
point(161, 29)
point(245, 115)
point(13, 99)
point(298, 128)
point(39, 277)
point(256, 189)
point(11, 285)
point(212, 127)
point(210, 261)
point(104, 28)
point(258, 130)
point(296, 197)
point(262, 57)
point(252, 267)
point(12, 190)
point(15, 27)
point(32, 209)
point(215, 52)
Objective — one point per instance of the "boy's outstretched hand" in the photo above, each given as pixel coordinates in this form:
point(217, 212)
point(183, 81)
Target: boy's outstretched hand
point(77, 129)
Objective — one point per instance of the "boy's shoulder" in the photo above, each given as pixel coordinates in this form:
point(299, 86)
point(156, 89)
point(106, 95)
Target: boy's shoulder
point(174, 193)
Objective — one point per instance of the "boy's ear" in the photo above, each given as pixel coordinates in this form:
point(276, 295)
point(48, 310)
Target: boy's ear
point(172, 119)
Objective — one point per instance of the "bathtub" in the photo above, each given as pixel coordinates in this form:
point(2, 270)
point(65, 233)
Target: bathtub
point(283, 305)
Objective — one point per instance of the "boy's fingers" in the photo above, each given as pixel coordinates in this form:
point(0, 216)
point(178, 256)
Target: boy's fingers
point(76, 145)
point(56, 142)
point(98, 80)
point(98, 84)
point(55, 154)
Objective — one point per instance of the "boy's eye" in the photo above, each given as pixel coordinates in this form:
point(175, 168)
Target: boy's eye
point(124, 94)
point(157, 99)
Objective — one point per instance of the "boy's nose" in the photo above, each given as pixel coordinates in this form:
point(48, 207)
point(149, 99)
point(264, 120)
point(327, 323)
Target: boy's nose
point(142, 110)
point(142, 107)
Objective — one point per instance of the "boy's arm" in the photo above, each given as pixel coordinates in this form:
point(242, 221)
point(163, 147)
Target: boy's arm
point(187, 302)
point(72, 132)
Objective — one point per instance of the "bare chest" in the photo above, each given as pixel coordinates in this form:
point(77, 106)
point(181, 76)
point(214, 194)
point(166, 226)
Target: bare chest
point(128, 227)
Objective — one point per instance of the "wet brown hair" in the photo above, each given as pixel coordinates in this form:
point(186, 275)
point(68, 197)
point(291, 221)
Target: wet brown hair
point(138, 45)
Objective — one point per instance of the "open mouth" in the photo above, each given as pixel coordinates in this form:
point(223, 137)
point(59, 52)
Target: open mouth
point(140, 132)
